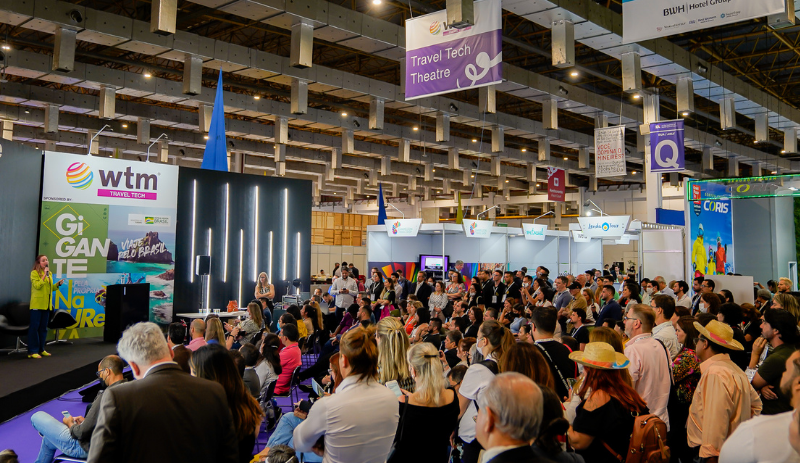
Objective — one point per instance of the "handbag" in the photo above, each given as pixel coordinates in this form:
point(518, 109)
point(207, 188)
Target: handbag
point(393, 450)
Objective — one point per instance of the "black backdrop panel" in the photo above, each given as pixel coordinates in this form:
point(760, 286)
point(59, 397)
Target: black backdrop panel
point(206, 201)
point(20, 192)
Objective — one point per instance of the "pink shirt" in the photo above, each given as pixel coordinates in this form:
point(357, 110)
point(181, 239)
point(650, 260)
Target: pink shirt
point(650, 371)
point(196, 343)
point(290, 359)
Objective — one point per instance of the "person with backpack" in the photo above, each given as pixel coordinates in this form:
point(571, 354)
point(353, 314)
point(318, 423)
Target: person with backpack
point(609, 406)
point(493, 342)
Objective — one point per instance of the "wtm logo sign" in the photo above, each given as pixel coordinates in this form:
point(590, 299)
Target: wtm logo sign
point(79, 175)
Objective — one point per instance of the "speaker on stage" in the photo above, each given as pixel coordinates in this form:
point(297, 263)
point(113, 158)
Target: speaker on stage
point(126, 305)
point(202, 265)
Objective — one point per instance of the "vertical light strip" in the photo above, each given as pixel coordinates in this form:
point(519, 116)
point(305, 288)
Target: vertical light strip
point(269, 277)
point(297, 275)
point(255, 236)
point(227, 215)
point(285, 230)
point(241, 263)
point(208, 278)
point(194, 225)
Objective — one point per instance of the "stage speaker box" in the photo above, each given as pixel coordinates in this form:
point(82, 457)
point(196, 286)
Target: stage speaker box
point(126, 305)
point(203, 265)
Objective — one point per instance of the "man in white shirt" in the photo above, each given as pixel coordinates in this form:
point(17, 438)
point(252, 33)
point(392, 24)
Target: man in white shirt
point(650, 366)
point(664, 331)
point(681, 296)
point(345, 289)
point(765, 438)
point(662, 286)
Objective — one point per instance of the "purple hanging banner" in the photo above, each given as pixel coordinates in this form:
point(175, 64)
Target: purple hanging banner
point(666, 146)
point(442, 59)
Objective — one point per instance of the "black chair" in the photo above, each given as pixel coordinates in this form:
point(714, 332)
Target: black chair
point(293, 395)
point(14, 320)
point(265, 401)
point(61, 320)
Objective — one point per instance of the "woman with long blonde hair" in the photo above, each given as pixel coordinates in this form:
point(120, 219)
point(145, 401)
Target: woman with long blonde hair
point(215, 333)
point(429, 414)
point(265, 290)
point(248, 328)
point(393, 344)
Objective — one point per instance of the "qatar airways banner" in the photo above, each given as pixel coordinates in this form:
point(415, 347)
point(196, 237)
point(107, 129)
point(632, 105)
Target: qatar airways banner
point(650, 19)
point(108, 221)
point(442, 59)
point(609, 152)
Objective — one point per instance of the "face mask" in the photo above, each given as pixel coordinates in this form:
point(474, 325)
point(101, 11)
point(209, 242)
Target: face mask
point(472, 293)
point(649, 290)
point(431, 284)
point(702, 307)
point(524, 285)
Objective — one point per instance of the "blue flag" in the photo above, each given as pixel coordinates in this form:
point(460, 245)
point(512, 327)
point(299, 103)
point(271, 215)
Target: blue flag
point(381, 205)
point(216, 155)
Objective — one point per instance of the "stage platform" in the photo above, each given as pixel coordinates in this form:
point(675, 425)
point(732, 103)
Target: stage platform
point(27, 383)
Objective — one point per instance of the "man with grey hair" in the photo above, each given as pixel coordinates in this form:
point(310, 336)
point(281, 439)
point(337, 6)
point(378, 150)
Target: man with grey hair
point(166, 415)
point(509, 415)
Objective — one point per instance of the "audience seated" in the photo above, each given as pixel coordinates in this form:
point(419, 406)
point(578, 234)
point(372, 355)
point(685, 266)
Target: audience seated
point(176, 333)
point(165, 415)
point(72, 435)
point(290, 358)
point(251, 380)
point(215, 333)
point(197, 332)
point(393, 347)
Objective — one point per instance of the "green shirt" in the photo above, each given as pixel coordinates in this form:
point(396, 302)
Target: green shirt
point(771, 371)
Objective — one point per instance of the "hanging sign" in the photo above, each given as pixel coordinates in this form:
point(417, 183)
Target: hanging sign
point(580, 237)
point(478, 228)
point(534, 231)
point(556, 188)
point(442, 59)
point(402, 228)
point(666, 146)
point(606, 226)
point(609, 152)
point(711, 230)
point(645, 19)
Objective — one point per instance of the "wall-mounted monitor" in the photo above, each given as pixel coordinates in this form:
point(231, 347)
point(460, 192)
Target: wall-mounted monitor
point(433, 263)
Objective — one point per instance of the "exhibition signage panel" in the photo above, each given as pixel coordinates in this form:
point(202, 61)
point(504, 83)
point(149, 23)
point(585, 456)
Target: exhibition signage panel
point(580, 237)
point(442, 59)
point(478, 228)
point(646, 19)
point(609, 152)
point(108, 221)
point(711, 225)
point(666, 146)
point(750, 187)
point(402, 228)
point(556, 188)
point(606, 226)
point(534, 231)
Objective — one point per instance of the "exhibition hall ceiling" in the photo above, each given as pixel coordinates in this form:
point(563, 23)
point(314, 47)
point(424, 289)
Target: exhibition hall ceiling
point(357, 51)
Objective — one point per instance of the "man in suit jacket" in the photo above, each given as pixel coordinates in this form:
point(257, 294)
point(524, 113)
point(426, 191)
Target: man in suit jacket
point(451, 347)
point(423, 290)
point(180, 354)
point(505, 432)
point(135, 418)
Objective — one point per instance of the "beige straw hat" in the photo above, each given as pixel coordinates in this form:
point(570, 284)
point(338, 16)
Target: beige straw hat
point(600, 355)
point(719, 333)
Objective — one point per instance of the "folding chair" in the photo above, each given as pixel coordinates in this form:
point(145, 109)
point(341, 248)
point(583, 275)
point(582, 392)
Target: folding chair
point(293, 382)
point(265, 401)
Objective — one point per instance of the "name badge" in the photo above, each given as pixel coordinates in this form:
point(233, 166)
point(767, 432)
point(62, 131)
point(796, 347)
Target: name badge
point(494, 299)
point(504, 297)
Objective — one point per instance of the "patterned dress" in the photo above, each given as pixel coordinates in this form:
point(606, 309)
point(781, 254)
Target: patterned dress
point(686, 370)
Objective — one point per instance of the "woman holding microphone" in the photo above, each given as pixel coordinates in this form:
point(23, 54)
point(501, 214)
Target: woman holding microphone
point(42, 288)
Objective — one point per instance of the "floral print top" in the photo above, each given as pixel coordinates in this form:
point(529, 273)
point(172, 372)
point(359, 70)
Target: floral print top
point(686, 371)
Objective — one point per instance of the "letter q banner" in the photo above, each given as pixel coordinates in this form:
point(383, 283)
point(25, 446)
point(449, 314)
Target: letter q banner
point(650, 19)
point(666, 146)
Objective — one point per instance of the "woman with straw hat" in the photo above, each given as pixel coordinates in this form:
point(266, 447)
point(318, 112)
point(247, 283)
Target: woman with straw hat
point(607, 412)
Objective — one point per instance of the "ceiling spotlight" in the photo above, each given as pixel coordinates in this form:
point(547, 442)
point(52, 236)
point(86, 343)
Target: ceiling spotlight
point(472, 176)
point(415, 128)
point(685, 114)
point(147, 74)
point(565, 158)
point(474, 140)
point(524, 149)
point(205, 137)
point(506, 181)
point(453, 107)
point(774, 172)
point(636, 96)
point(27, 111)
point(256, 97)
point(376, 2)
point(537, 185)
point(6, 47)
point(783, 151)
point(434, 170)
point(633, 173)
point(344, 114)
point(124, 126)
point(574, 73)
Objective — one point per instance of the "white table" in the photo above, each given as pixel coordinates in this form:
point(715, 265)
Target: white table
point(220, 315)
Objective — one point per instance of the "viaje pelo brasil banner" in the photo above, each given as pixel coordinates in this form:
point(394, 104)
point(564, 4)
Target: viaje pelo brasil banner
point(650, 19)
point(108, 221)
point(442, 59)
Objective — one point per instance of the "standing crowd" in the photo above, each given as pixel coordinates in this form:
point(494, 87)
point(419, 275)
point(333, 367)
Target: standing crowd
point(503, 367)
